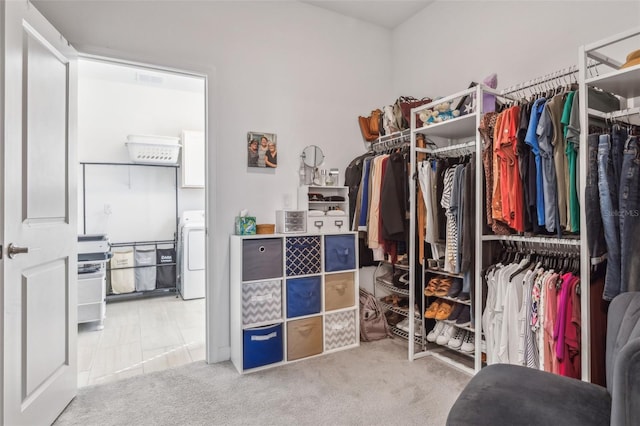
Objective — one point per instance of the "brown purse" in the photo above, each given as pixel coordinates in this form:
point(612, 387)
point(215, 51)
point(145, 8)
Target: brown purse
point(374, 122)
point(364, 129)
point(370, 126)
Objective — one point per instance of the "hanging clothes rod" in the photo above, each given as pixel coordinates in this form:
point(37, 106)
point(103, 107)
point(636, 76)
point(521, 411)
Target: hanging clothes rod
point(557, 75)
point(393, 140)
point(551, 241)
point(454, 150)
point(464, 148)
point(533, 245)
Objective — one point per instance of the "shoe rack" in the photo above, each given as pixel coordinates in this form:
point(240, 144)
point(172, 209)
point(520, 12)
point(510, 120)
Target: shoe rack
point(448, 312)
point(391, 288)
point(444, 336)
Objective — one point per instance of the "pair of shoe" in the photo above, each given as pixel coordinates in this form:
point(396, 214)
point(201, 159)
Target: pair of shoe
point(401, 279)
point(438, 286)
point(393, 318)
point(441, 333)
point(440, 309)
point(461, 315)
point(396, 301)
point(463, 340)
point(404, 326)
point(463, 297)
point(455, 289)
point(452, 336)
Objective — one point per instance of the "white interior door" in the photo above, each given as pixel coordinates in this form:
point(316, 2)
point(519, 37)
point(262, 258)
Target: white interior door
point(39, 287)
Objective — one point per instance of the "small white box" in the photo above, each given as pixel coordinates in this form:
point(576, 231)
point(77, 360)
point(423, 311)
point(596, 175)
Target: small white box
point(291, 221)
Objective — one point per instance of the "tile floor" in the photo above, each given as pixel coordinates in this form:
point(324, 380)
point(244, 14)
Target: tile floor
point(141, 336)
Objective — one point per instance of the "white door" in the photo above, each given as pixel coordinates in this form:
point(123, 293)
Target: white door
point(38, 215)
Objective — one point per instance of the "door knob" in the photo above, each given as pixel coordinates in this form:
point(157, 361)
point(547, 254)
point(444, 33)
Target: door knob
point(13, 250)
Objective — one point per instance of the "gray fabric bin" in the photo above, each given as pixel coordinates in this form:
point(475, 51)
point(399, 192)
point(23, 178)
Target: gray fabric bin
point(145, 276)
point(261, 259)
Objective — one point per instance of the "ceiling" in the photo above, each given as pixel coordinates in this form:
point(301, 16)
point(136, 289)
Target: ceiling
point(386, 13)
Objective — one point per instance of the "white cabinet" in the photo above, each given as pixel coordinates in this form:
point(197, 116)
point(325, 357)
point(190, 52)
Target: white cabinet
point(328, 208)
point(193, 159)
point(92, 296)
point(292, 297)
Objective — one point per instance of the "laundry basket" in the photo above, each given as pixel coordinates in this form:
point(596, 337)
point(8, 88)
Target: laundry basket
point(166, 270)
point(153, 149)
point(145, 272)
point(122, 276)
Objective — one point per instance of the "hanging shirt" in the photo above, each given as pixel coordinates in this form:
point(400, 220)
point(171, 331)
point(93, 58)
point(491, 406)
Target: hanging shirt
point(544, 132)
point(566, 113)
point(573, 140)
point(451, 227)
point(555, 107)
point(511, 184)
point(496, 202)
point(363, 192)
point(373, 224)
point(532, 140)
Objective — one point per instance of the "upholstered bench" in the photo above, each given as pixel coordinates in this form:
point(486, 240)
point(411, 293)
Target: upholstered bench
point(503, 394)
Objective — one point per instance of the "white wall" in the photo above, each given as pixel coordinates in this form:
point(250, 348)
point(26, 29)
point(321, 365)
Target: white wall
point(447, 45)
point(282, 67)
point(113, 104)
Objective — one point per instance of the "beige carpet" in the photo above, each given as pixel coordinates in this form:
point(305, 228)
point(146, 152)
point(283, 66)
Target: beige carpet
point(374, 384)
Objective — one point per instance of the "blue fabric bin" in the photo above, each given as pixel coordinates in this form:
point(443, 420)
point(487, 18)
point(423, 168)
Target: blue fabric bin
point(262, 346)
point(339, 252)
point(304, 296)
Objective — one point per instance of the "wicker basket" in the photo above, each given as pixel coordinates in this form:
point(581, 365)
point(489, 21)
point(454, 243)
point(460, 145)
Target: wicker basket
point(265, 228)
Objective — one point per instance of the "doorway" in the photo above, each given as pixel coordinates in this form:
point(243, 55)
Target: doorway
point(141, 168)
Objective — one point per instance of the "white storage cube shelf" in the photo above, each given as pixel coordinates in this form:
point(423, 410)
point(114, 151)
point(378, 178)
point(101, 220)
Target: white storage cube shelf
point(260, 303)
point(153, 149)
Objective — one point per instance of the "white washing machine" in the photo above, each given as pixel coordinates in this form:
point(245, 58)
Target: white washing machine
point(191, 255)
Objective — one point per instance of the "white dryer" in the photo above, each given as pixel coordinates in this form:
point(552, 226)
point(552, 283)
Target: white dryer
point(191, 255)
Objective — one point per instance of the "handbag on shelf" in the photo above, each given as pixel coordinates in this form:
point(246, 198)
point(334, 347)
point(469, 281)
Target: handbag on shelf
point(370, 126)
point(402, 110)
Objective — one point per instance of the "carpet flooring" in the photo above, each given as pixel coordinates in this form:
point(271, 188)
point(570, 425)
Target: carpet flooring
point(370, 385)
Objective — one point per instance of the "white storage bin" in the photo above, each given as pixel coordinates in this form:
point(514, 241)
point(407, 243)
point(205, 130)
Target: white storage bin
point(91, 287)
point(91, 312)
point(328, 224)
point(153, 149)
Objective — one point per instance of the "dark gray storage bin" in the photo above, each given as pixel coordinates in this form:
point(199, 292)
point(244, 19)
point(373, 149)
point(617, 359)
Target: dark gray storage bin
point(166, 269)
point(261, 258)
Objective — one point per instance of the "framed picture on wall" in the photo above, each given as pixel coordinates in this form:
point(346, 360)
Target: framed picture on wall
point(262, 150)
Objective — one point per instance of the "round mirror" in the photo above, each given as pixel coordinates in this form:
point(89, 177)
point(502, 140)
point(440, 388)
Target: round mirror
point(312, 156)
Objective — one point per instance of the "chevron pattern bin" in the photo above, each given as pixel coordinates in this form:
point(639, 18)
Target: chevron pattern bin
point(261, 302)
point(340, 330)
point(303, 255)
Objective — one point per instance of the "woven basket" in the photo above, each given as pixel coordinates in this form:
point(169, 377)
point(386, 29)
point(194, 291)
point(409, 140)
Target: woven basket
point(265, 228)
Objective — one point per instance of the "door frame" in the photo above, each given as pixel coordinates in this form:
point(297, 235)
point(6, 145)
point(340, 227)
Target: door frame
point(209, 201)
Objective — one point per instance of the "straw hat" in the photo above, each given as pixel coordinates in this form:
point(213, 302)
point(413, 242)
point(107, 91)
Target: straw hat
point(633, 58)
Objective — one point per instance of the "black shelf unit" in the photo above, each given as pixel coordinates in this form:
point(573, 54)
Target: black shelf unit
point(155, 243)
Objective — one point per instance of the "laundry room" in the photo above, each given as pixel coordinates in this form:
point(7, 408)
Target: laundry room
point(141, 219)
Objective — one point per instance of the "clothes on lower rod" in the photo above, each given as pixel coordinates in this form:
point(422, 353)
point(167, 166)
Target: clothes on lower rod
point(532, 318)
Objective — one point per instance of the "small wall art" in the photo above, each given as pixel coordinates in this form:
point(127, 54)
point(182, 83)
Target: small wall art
point(262, 150)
